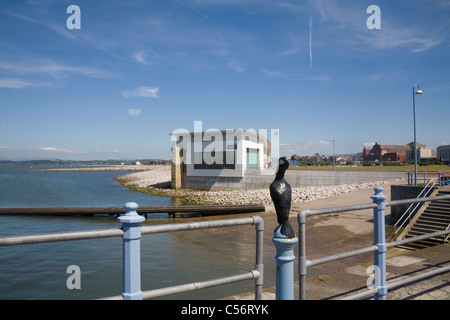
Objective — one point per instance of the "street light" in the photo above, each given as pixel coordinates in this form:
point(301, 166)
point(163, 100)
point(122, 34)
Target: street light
point(415, 92)
point(334, 158)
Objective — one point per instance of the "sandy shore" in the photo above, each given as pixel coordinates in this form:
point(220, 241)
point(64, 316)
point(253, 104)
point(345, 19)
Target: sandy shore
point(156, 181)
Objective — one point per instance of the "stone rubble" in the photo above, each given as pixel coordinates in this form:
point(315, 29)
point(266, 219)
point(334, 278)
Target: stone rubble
point(156, 181)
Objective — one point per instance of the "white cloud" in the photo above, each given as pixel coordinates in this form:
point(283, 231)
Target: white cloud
point(52, 149)
point(134, 112)
point(416, 39)
point(148, 58)
point(287, 76)
point(233, 64)
point(342, 23)
point(145, 92)
point(50, 68)
point(15, 84)
point(140, 57)
point(368, 145)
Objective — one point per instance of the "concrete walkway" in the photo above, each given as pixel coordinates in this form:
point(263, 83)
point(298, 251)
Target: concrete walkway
point(335, 233)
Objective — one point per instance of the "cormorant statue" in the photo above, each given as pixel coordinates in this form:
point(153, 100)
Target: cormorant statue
point(280, 192)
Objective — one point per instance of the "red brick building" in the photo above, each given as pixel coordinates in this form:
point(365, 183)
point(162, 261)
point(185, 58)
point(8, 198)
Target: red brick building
point(396, 153)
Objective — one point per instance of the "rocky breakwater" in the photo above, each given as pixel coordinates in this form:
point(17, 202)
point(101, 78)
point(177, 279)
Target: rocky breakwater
point(156, 181)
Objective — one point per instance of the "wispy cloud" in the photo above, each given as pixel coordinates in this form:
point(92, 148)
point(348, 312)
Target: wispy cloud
point(416, 40)
point(50, 68)
point(148, 58)
point(368, 145)
point(235, 65)
point(286, 76)
point(144, 92)
point(345, 25)
point(15, 84)
point(445, 86)
point(384, 79)
point(134, 112)
point(140, 57)
point(53, 149)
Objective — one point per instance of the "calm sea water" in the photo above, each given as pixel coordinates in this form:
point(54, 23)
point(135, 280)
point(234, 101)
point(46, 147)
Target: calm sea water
point(38, 271)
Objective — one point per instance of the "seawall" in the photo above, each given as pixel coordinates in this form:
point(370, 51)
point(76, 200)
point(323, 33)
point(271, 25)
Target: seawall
point(296, 178)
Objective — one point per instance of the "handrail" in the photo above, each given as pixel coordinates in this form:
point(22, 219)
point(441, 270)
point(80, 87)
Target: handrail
point(446, 239)
point(397, 228)
point(379, 248)
point(132, 230)
point(60, 236)
point(398, 283)
point(142, 210)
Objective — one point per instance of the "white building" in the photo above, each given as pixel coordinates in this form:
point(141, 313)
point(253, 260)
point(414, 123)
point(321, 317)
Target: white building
point(219, 157)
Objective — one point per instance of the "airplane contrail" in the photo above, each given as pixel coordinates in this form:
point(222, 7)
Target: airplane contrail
point(310, 41)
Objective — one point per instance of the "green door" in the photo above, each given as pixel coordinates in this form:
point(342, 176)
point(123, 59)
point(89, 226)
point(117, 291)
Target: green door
point(252, 158)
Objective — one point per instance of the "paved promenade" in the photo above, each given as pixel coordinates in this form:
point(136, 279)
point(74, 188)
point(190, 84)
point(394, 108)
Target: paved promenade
point(330, 234)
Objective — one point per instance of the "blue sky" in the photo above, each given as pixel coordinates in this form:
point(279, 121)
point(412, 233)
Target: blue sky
point(138, 70)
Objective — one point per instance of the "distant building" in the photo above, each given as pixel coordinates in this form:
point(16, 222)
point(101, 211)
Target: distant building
point(397, 153)
point(443, 154)
point(219, 159)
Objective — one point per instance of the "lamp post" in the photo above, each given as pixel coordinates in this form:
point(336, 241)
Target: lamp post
point(418, 92)
point(334, 158)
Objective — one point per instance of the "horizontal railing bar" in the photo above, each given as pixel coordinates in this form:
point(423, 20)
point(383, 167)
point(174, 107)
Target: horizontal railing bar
point(348, 254)
point(432, 273)
point(198, 225)
point(417, 238)
point(62, 236)
point(108, 233)
point(150, 294)
point(408, 201)
point(251, 275)
point(399, 283)
point(311, 212)
point(62, 211)
point(140, 210)
point(340, 256)
point(361, 295)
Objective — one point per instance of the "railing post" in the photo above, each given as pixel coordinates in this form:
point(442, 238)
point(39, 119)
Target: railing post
point(259, 263)
point(131, 225)
point(284, 266)
point(302, 268)
point(380, 241)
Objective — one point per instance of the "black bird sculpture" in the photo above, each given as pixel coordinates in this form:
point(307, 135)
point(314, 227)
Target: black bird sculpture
point(281, 192)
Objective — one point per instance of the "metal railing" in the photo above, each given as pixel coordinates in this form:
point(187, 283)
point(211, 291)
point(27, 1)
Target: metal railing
point(131, 231)
point(424, 176)
point(423, 194)
point(446, 238)
point(379, 247)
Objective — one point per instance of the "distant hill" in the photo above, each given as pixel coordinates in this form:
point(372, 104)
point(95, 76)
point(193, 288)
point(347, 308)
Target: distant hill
point(81, 162)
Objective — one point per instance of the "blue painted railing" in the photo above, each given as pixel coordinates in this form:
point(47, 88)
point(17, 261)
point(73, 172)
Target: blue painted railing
point(424, 177)
point(379, 246)
point(131, 232)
